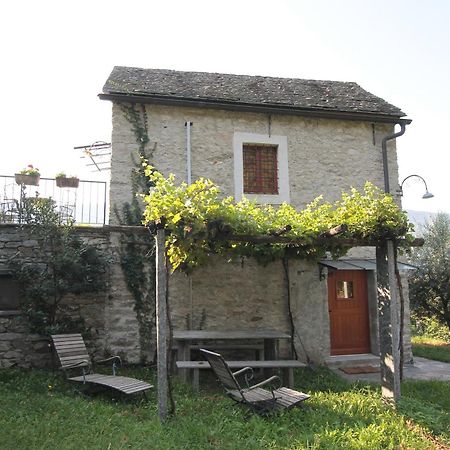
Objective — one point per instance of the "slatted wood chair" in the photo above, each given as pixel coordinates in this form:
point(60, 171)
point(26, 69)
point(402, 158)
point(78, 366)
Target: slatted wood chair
point(259, 400)
point(73, 356)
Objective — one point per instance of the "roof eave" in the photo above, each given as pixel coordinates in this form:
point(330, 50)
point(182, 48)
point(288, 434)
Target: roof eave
point(257, 108)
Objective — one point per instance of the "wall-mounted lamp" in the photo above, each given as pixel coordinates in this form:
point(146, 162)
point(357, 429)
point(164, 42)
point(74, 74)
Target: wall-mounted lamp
point(426, 195)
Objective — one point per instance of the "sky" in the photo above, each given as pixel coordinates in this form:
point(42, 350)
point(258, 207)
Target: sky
point(57, 55)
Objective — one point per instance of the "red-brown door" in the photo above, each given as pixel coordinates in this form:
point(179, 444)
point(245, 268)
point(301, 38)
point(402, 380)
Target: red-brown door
point(349, 312)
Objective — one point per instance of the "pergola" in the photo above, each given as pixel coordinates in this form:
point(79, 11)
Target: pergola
point(388, 305)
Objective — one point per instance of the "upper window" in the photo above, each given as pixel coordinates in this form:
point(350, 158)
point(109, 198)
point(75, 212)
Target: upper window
point(261, 168)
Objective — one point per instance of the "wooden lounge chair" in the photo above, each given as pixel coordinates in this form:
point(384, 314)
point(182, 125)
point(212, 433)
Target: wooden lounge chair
point(259, 400)
point(73, 356)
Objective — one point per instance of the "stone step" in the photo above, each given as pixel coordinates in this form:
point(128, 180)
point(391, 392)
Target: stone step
point(362, 359)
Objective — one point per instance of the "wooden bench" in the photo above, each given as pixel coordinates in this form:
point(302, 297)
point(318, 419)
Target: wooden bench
point(287, 367)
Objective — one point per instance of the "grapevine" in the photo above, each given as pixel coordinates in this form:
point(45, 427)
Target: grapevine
point(198, 218)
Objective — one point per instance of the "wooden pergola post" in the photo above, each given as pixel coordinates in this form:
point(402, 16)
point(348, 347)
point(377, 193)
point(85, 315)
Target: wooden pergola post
point(161, 324)
point(388, 322)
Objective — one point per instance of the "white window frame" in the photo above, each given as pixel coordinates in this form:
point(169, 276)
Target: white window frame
point(239, 139)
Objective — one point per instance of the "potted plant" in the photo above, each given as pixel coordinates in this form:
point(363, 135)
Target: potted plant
point(29, 176)
point(63, 181)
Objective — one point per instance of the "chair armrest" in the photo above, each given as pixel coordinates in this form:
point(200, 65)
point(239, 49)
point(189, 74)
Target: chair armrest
point(248, 374)
point(115, 360)
point(240, 371)
point(272, 379)
point(112, 358)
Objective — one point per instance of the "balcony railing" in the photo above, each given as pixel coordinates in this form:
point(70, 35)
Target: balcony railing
point(85, 204)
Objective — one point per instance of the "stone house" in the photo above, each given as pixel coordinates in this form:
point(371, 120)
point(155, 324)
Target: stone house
point(274, 140)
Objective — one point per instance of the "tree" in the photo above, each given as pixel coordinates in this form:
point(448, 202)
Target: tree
point(430, 284)
point(62, 264)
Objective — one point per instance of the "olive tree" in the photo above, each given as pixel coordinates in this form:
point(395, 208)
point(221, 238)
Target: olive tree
point(430, 284)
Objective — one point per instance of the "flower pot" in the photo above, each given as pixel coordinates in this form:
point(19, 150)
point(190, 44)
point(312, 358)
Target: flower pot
point(64, 182)
point(29, 180)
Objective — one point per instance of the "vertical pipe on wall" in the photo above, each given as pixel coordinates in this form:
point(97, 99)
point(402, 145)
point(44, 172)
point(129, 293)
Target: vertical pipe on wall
point(389, 137)
point(188, 126)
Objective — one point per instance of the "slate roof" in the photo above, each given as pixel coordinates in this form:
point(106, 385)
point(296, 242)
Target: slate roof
point(289, 93)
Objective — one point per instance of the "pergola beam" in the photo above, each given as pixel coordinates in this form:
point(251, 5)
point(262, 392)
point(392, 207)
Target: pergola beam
point(332, 240)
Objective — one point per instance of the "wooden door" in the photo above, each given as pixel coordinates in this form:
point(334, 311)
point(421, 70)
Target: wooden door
point(349, 312)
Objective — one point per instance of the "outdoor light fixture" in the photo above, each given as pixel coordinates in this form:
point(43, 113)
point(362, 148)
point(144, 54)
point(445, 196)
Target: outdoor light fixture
point(426, 195)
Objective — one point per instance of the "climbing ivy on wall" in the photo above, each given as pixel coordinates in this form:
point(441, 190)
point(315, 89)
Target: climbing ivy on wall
point(196, 216)
point(137, 252)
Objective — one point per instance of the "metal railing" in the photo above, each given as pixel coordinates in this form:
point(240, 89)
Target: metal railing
point(85, 204)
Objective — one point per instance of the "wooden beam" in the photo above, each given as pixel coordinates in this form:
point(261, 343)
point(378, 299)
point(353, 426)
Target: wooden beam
point(388, 322)
point(161, 324)
point(330, 236)
point(280, 231)
point(335, 231)
point(325, 240)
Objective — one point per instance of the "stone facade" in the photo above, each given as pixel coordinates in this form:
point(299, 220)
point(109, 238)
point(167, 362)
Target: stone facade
point(325, 157)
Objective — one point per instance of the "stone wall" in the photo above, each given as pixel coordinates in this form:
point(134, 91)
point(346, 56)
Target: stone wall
point(324, 157)
point(109, 315)
point(245, 295)
point(18, 347)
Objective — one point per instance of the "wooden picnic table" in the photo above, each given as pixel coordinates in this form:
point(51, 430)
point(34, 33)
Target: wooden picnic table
point(184, 340)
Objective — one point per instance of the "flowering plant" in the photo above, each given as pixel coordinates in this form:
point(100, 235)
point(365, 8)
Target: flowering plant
point(30, 170)
point(63, 175)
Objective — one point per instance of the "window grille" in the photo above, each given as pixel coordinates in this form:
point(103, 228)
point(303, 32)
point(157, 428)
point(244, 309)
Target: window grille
point(260, 169)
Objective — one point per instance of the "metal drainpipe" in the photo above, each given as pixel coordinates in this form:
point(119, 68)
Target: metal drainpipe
point(384, 153)
point(188, 152)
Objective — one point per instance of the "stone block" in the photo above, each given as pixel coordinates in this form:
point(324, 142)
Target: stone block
point(12, 244)
point(5, 346)
point(7, 363)
point(11, 336)
point(13, 354)
point(30, 243)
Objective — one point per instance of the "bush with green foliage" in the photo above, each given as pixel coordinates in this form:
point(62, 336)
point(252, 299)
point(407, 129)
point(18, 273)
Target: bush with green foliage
point(430, 284)
point(429, 327)
point(62, 264)
point(196, 214)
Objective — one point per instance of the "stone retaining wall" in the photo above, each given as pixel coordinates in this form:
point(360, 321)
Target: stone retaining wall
point(109, 315)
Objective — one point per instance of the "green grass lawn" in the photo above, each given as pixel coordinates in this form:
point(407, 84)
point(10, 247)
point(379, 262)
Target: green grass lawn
point(40, 410)
point(431, 348)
